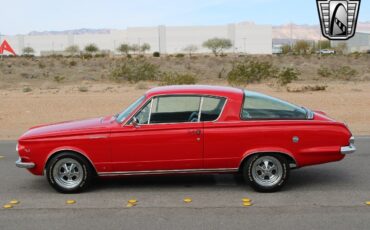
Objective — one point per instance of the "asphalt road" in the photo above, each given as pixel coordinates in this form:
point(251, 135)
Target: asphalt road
point(330, 196)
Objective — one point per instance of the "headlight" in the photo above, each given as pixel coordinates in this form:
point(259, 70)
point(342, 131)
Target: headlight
point(16, 148)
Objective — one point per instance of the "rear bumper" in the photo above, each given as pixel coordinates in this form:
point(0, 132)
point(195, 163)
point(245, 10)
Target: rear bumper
point(348, 149)
point(25, 165)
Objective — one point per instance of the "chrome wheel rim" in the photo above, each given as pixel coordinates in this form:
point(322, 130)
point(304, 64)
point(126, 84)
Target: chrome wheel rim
point(68, 173)
point(267, 171)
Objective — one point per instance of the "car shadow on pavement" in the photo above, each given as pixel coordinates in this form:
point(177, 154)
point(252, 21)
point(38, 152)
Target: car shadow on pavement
point(317, 177)
point(170, 182)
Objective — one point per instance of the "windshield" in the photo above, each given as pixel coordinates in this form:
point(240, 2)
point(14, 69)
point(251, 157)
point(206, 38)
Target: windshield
point(122, 116)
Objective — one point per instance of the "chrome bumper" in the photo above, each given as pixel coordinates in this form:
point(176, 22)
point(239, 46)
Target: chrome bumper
point(348, 149)
point(25, 165)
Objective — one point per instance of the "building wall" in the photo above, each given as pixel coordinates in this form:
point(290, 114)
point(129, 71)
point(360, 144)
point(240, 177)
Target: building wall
point(246, 38)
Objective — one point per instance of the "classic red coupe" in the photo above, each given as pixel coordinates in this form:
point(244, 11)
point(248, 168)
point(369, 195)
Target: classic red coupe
point(187, 129)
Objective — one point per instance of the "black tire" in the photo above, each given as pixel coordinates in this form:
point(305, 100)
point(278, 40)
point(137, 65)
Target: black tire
point(86, 177)
point(252, 178)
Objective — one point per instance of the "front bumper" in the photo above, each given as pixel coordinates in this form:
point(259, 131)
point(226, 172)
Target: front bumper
point(25, 165)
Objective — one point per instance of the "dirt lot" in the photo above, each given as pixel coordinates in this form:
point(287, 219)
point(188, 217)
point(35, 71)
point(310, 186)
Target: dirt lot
point(30, 95)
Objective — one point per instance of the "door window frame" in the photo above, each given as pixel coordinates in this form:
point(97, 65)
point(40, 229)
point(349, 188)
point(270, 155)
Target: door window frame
point(150, 101)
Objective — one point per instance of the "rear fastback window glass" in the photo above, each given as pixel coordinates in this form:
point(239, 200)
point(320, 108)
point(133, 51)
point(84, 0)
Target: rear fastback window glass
point(258, 106)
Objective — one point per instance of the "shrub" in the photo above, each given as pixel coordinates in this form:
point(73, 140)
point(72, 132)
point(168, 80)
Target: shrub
point(342, 72)
point(83, 89)
point(100, 55)
point(180, 55)
point(134, 70)
point(86, 56)
point(156, 54)
point(170, 78)
point(26, 90)
point(308, 88)
point(324, 72)
point(345, 72)
point(41, 65)
point(72, 63)
point(141, 85)
point(59, 79)
point(250, 71)
point(287, 75)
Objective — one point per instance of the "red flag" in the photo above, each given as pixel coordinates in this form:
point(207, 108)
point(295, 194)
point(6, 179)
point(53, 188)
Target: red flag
point(5, 46)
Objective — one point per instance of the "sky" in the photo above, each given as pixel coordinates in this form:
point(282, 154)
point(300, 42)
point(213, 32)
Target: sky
point(23, 16)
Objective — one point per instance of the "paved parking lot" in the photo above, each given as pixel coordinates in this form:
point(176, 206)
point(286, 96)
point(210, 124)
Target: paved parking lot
point(330, 196)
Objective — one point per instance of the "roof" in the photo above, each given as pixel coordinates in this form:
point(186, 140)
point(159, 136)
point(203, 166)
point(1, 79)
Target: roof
point(222, 91)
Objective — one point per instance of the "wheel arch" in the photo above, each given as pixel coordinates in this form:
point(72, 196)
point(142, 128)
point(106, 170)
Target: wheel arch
point(68, 150)
point(291, 160)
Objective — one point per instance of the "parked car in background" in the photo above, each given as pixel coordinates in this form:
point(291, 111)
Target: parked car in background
point(187, 129)
point(326, 51)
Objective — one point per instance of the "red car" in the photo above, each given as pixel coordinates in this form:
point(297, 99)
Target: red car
point(187, 129)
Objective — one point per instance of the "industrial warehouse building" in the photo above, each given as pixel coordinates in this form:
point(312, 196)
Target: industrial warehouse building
point(358, 43)
point(246, 38)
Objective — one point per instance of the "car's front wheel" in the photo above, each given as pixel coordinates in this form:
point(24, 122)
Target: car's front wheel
point(266, 172)
point(69, 173)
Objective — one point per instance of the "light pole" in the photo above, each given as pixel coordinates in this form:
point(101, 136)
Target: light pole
point(2, 50)
point(245, 45)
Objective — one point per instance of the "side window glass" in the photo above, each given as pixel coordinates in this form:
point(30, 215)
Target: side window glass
point(175, 109)
point(212, 108)
point(143, 116)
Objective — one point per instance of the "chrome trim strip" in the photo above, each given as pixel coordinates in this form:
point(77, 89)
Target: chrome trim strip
point(178, 171)
point(98, 137)
point(150, 110)
point(348, 149)
point(24, 165)
point(200, 109)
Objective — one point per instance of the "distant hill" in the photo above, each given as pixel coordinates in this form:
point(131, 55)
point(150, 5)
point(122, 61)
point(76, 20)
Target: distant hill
point(306, 32)
point(283, 32)
point(74, 32)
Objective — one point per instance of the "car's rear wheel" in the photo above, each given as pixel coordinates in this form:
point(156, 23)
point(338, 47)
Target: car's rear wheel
point(266, 172)
point(69, 173)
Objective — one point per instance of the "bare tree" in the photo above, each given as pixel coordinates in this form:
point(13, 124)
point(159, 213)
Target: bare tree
point(72, 50)
point(217, 45)
point(190, 49)
point(91, 48)
point(302, 47)
point(28, 50)
point(135, 48)
point(145, 47)
point(124, 49)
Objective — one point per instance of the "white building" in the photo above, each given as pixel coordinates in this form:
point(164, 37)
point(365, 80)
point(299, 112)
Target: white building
point(246, 38)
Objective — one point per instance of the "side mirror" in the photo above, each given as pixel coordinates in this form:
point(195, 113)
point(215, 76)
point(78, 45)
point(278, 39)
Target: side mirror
point(135, 123)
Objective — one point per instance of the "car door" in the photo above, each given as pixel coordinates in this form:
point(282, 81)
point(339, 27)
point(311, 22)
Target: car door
point(164, 135)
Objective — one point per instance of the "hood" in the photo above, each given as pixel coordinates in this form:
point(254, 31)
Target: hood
point(68, 128)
